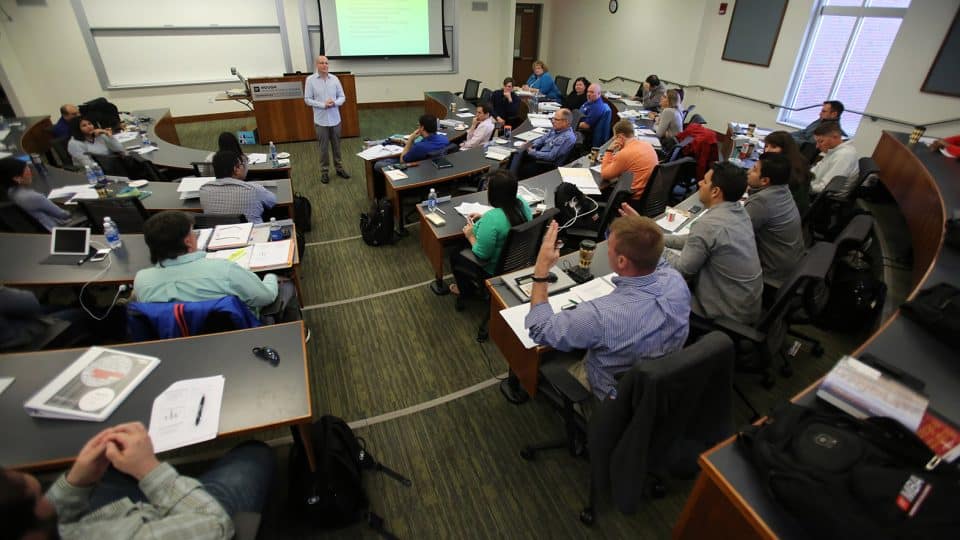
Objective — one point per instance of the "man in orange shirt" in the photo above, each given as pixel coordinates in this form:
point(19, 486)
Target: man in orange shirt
point(626, 153)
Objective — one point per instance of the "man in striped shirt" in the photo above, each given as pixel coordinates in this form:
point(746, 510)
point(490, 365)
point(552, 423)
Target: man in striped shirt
point(647, 315)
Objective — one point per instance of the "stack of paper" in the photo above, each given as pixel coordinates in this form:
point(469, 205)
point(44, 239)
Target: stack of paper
point(260, 256)
point(632, 103)
point(394, 174)
point(189, 187)
point(540, 120)
point(467, 208)
point(672, 220)
point(465, 115)
point(378, 151)
point(654, 140)
point(93, 386)
point(530, 135)
point(230, 236)
point(126, 136)
point(187, 412)
point(253, 159)
point(145, 149)
point(498, 153)
point(646, 132)
point(69, 191)
point(580, 177)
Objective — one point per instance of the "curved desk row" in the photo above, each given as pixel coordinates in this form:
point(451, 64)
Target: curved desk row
point(729, 495)
point(162, 131)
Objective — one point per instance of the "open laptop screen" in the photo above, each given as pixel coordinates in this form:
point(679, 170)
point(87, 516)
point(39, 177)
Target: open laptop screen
point(70, 241)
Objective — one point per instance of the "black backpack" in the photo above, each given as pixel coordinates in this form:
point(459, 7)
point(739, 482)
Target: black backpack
point(302, 213)
point(846, 478)
point(333, 495)
point(377, 226)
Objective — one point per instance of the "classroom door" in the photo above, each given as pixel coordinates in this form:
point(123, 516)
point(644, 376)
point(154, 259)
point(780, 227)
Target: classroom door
point(526, 41)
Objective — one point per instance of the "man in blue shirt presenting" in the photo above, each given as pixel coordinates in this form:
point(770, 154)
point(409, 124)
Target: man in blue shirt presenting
point(324, 93)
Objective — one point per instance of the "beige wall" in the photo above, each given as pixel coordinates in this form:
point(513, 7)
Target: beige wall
point(46, 63)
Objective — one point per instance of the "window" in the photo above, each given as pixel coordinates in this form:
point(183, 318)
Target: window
point(845, 49)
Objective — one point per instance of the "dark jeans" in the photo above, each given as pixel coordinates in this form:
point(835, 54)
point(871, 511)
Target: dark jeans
point(468, 274)
point(239, 481)
point(286, 308)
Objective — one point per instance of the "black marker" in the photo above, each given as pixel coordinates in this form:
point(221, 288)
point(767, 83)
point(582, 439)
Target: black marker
point(200, 410)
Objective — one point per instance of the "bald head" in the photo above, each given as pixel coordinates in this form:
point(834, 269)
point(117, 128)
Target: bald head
point(69, 111)
point(323, 65)
point(593, 92)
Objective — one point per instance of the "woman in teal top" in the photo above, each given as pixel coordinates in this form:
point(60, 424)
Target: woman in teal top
point(487, 234)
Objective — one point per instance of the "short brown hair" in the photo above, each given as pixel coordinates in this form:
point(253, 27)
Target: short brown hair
point(830, 127)
point(541, 64)
point(673, 98)
point(623, 127)
point(639, 239)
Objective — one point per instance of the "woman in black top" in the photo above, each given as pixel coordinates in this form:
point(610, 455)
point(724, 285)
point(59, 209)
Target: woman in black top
point(577, 96)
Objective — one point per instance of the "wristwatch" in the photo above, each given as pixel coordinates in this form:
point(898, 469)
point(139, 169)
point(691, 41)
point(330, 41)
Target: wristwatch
point(549, 278)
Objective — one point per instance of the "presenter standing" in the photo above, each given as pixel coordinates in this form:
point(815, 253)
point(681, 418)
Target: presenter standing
point(324, 93)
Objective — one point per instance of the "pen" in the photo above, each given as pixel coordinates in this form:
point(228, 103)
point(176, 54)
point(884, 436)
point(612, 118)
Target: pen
point(441, 211)
point(203, 398)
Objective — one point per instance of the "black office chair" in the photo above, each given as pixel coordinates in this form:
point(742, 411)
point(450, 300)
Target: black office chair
point(202, 169)
point(687, 113)
point(562, 83)
point(59, 156)
point(112, 164)
point(127, 213)
point(607, 211)
point(668, 410)
point(470, 89)
point(654, 200)
point(17, 220)
point(485, 96)
point(694, 118)
point(140, 168)
point(833, 208)
point(209, 221)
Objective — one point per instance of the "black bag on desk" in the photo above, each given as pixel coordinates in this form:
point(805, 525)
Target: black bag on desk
point(937, 309)
point(376, 228)
point(302, 213)
point(846, 478)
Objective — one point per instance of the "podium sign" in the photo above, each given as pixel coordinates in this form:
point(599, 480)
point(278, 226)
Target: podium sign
point(269, 91)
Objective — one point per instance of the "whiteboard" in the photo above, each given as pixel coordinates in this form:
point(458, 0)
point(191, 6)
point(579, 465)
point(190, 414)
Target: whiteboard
point(380, 66)
point(160, 13)
point(137, 60)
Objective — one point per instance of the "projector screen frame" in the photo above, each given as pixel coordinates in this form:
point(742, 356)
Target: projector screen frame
point(443, 36)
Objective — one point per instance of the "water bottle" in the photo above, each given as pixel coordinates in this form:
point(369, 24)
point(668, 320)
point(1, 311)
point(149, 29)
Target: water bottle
point(91, 176)
point(112, 233)
point(276, 234)
point(38, 165)
point(508, 133)
point(453, 109)
point(432, 200)
point(99, 172)
point(273, 155)
point(145, 140)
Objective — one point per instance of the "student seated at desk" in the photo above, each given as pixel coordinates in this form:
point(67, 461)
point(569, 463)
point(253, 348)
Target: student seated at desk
point(780, 142)
point(26, 324)
point(230, 194)
point(650, 92)
point(421, 143)
point(542, 81)
point(626, 153)
point(776, 221)
point(15, 180)
point(549, 151)
point(595, 119)
point(481, 128)
point(719, 255)
point(184, 274)
point(669, 121)
point(506, 103)
point(61, 130)
point(117, 488)
point(647, 315)
point(839, 157)
point(578, 96)
point(487, 234)
point(86, 138)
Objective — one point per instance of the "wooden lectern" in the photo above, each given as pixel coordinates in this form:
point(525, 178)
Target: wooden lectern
point(282, 116)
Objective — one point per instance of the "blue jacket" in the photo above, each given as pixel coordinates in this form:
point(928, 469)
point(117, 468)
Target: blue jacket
point(425, 146)
point(545, 84)
point(597, 115)
point(163, 320)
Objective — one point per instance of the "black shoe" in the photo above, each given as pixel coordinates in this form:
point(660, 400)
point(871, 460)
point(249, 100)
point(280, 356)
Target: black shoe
point(325, 178)
point(342, 173)
point(513, 392)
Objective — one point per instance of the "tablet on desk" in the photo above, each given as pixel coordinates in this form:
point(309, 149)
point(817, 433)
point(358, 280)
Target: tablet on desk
point(68, 245)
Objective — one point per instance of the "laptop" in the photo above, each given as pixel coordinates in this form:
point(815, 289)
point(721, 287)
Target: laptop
point(68, 245)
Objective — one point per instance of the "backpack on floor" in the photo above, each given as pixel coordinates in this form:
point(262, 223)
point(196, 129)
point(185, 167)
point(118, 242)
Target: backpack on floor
point(302, 213)
point(846, 478)
point(376, 227)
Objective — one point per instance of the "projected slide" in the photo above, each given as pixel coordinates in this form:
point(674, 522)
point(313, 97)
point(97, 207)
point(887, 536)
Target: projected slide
point(354, 28)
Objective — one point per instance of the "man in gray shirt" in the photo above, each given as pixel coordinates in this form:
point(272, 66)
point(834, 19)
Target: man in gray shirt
point(776, 220)
point(719, 254)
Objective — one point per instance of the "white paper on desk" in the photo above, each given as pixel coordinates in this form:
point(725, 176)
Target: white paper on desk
point(145, 149)
point(646, 132)
point(540, 122)
point(516, 315)
point(672, 220)
point(4, 132)
point(632, 103)
point(529, 135)
point(270, 254)
point(203, 236)
point(126, 136)
point(467, 208)
point(580, 177)
point(653, 140)
point(67, 191)
point(191, 183)
point(178, 419)
point(595, 288)
point(595, 168)
point(685, 230)
point(240, 256)
point(378, 151)
point(253, 159)
point(394, 174)
point(465, 115)
point(86, 194)
point(4, 154)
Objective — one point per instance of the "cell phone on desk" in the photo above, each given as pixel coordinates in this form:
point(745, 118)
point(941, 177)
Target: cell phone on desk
point(100, 255)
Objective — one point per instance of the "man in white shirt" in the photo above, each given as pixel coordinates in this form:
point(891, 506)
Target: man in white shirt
point(324, 93)
point(839, 157)
point(481, 128)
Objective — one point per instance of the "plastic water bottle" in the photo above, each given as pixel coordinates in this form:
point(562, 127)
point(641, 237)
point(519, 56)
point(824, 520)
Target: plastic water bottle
point(99, 172)
point(276, 234)
point(112, 233)
point(273, 155)
point(508, 133)
point(432, 200)
point(145, 140)
point(91, 176)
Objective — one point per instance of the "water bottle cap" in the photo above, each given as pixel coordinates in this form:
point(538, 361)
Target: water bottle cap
point(273, 219)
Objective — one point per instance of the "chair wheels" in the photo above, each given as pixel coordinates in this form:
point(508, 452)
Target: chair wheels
point(586, 516)
point(528, 454)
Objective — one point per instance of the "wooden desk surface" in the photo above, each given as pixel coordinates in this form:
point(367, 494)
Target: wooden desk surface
point(256, 395)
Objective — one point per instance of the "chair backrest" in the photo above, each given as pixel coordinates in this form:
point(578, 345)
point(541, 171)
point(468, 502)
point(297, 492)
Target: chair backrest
point(208, 221)
point(602, 132)
point(813, 267)
point(562, 83)
point(448, 149)
point(869, 171)
point(693, 119)
point(127, 213)
point(470, 89)
point(16, 219)
point(854, 234)
point(59, 155)
point(163, 320)
point(138, 167)
point(111, 164)
point(523, 242)
point(575, 117)
point(653, 202)
point(202, 169)
point(485, 95)
point(687, 113)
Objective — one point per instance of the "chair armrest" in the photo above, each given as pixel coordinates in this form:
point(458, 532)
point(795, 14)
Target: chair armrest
point(557, 374)
point(472, 257)
point(730, 326)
